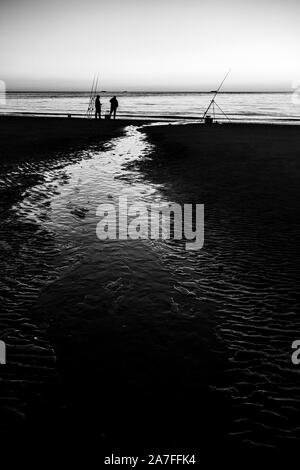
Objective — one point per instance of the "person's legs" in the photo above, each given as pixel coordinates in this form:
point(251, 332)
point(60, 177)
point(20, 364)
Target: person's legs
point(115, 110)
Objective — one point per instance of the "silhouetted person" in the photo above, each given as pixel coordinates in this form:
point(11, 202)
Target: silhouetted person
point(113, 106)
point(97, 107)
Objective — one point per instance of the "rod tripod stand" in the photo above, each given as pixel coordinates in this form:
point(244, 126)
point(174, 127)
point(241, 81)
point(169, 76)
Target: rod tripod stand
point(213, 104)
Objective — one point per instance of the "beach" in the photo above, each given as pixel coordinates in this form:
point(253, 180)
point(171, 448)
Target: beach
point(132, 332)
point(150, 264)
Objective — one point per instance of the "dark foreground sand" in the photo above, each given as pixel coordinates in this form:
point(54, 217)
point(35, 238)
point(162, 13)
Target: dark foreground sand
point(25, 137)
point(151, 384)
point(237, 154)
point(247, 176)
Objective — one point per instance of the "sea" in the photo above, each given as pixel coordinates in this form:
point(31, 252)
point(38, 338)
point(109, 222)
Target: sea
point(248, 107)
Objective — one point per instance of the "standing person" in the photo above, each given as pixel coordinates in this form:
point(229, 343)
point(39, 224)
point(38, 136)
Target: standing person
point(113, 106)
point(97, 107)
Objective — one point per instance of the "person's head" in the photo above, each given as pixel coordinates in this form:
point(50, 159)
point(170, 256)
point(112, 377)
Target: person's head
point(115, 97)
point(98, 96)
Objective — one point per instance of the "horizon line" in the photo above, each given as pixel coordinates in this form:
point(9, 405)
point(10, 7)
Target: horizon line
point(148, 91)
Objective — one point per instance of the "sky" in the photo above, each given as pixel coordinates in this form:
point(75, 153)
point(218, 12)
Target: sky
point(149, 45)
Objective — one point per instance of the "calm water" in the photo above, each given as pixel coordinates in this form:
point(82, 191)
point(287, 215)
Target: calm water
point(242, 106)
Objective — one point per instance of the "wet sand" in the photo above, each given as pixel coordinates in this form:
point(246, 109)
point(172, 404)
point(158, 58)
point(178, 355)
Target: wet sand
point(232, 158)
point(133, 350)
point(157, 348)
point(248, 178)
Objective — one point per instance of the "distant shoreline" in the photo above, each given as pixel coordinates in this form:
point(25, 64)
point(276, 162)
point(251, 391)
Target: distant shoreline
point(155, 92)
point(164, 118)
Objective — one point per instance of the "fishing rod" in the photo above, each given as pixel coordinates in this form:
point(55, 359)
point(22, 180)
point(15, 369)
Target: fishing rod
point(92, 95)
point(213, 102)
point(95, 92)
point(90, 99)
